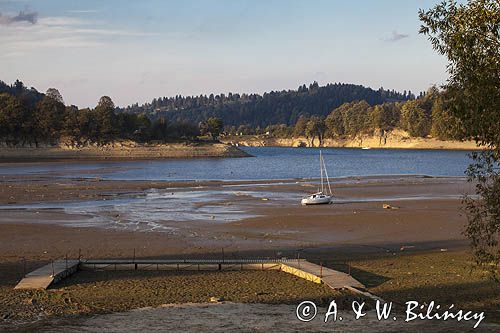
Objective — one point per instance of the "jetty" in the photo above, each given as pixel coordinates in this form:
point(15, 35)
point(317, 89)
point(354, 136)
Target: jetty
point(57, 270)
point(44, 276)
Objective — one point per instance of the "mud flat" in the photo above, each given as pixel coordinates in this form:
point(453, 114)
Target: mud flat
point(415, 250)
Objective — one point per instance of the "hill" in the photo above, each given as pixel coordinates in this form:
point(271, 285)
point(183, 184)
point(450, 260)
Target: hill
point(275, 107)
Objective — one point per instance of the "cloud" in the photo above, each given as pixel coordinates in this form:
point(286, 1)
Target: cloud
point(23, 16)
point(83, 11)
point(396, 36)
point(57, 33)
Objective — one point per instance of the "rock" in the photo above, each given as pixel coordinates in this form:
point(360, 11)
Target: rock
point(387, 206)
point(215, 299)
point(31, 301)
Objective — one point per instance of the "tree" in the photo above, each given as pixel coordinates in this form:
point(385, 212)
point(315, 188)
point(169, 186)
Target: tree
point(356, 118)
point(49, 117)
point(300, 126)
point(335, 123)
point(385, 116)
point(414, 119)
point(16, 121)
point(54, 94)
point(445, 126)
point(160, 130)
point(315, 128)
point(468, 35)
point(212, 126)
point(106, 119)
point(71, 128)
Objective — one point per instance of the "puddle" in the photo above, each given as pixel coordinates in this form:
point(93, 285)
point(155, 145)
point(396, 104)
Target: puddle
point(156, 210)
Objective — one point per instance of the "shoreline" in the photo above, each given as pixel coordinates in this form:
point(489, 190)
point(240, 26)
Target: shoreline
point(394, 141)
point(120, 151)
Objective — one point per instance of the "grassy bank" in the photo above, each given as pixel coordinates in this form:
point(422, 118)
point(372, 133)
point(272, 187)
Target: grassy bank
point(90, 292)
point(444, 277)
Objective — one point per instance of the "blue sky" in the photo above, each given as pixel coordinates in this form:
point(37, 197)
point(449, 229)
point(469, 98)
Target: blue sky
point(134, 51)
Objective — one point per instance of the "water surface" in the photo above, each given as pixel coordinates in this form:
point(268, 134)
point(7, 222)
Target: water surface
point(267, 163)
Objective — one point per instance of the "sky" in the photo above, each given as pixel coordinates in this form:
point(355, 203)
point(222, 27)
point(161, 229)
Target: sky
point(134, 51)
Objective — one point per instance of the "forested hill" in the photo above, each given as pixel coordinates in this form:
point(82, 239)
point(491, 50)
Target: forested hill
point(275, 107)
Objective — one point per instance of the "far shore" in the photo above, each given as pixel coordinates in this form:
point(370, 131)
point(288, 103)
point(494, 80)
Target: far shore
point(392, 141)
point(121, 151)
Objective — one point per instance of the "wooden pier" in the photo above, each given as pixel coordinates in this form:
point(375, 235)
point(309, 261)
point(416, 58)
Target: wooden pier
point(43, 277)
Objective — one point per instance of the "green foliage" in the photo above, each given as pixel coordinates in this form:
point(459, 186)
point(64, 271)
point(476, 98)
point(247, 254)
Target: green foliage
point(49, 117)
point(212, 126)
point(335, 123)
point(16, 123)
point(275, 107)
point(280, 131)
point(28, 117)
point(385, 116)
point(468, 35)
point(315, 127)
point(483, 215)
point(414, 119)
point(355, 118)
point(445, 126)
point(300, 126)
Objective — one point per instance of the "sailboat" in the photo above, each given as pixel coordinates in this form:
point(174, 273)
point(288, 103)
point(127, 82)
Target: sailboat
point(320, 197)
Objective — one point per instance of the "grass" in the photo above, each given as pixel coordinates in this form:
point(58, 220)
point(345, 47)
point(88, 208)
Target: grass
point(89, 292)
point(444, 277)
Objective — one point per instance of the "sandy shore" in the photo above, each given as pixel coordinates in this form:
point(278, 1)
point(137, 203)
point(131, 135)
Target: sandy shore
point(396, 140)
point(422, 230)
point(121, 150)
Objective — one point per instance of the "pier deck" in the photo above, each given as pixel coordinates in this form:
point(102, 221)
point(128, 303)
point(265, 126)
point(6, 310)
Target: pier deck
point(44, 276)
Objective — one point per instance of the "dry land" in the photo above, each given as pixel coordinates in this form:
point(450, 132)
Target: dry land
point(394, 140)
point(121, 150)
point(413, 251)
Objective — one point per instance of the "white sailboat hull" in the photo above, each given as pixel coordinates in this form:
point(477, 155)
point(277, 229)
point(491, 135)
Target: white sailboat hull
point(320, 198)
point(316, 199)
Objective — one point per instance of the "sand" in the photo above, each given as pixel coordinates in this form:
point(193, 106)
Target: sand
point(395, 140)
point(120, 151)
point(236, 317)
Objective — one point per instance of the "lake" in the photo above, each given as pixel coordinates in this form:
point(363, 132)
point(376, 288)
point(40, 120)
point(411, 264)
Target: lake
point(267, 163)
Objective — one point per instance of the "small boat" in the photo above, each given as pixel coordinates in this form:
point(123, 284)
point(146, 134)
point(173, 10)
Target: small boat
point(320, 197)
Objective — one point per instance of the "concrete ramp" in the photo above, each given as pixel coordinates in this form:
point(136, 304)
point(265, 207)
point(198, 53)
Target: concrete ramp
point(43, 277)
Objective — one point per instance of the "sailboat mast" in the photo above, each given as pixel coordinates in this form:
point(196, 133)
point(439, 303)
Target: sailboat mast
point(327, 180)
point(321, 168)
